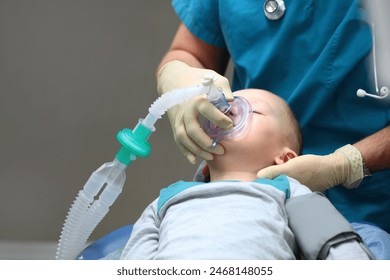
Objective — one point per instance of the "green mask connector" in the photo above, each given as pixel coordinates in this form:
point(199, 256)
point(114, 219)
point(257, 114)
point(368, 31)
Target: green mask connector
point(134, 143)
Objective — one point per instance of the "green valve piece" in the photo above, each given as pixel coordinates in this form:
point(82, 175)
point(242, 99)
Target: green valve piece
point(134, 143)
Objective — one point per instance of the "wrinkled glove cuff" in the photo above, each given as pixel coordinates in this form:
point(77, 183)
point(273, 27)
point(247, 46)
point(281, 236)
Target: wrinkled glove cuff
point(355, 158)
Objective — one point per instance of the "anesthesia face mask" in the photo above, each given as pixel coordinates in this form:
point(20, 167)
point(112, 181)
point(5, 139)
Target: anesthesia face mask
point(240, 113)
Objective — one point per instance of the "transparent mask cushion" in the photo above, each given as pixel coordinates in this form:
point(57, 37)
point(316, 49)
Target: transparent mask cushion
point(241, 115)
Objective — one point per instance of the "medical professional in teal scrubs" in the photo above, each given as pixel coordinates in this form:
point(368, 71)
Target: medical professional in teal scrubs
point(314, 54)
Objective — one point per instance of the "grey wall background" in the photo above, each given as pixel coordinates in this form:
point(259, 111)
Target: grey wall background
point(72, 74)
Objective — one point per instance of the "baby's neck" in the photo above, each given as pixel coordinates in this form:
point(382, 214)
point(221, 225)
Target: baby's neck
point(233, 176)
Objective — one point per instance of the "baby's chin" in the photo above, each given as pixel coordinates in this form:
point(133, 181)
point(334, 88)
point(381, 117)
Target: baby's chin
point(228, 159)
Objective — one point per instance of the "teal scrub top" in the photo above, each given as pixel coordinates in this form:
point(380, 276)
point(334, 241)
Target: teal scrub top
point(315, 57)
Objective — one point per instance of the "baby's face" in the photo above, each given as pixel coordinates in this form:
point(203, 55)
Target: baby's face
point(264, 139)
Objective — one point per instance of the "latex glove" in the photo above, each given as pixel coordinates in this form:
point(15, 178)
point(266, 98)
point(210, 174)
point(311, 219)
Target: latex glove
point(344, 166)
point(184, 118)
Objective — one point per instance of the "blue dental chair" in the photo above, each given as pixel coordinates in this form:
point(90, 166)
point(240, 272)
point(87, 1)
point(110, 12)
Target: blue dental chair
point(112, 242)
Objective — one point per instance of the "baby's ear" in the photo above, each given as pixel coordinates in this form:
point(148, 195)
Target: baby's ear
point(285, 156)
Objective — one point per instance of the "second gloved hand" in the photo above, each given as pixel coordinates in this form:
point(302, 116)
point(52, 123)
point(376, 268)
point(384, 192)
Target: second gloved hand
point(184, 118)
point(320, 173)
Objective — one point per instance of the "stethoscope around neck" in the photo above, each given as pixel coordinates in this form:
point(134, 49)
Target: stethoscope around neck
point(275, 10)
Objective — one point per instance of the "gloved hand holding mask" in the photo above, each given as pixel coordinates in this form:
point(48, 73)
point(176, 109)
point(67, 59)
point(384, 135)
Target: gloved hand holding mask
point(188, 133)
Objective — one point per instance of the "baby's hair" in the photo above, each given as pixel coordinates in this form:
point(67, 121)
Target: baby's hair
point(292, 128)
